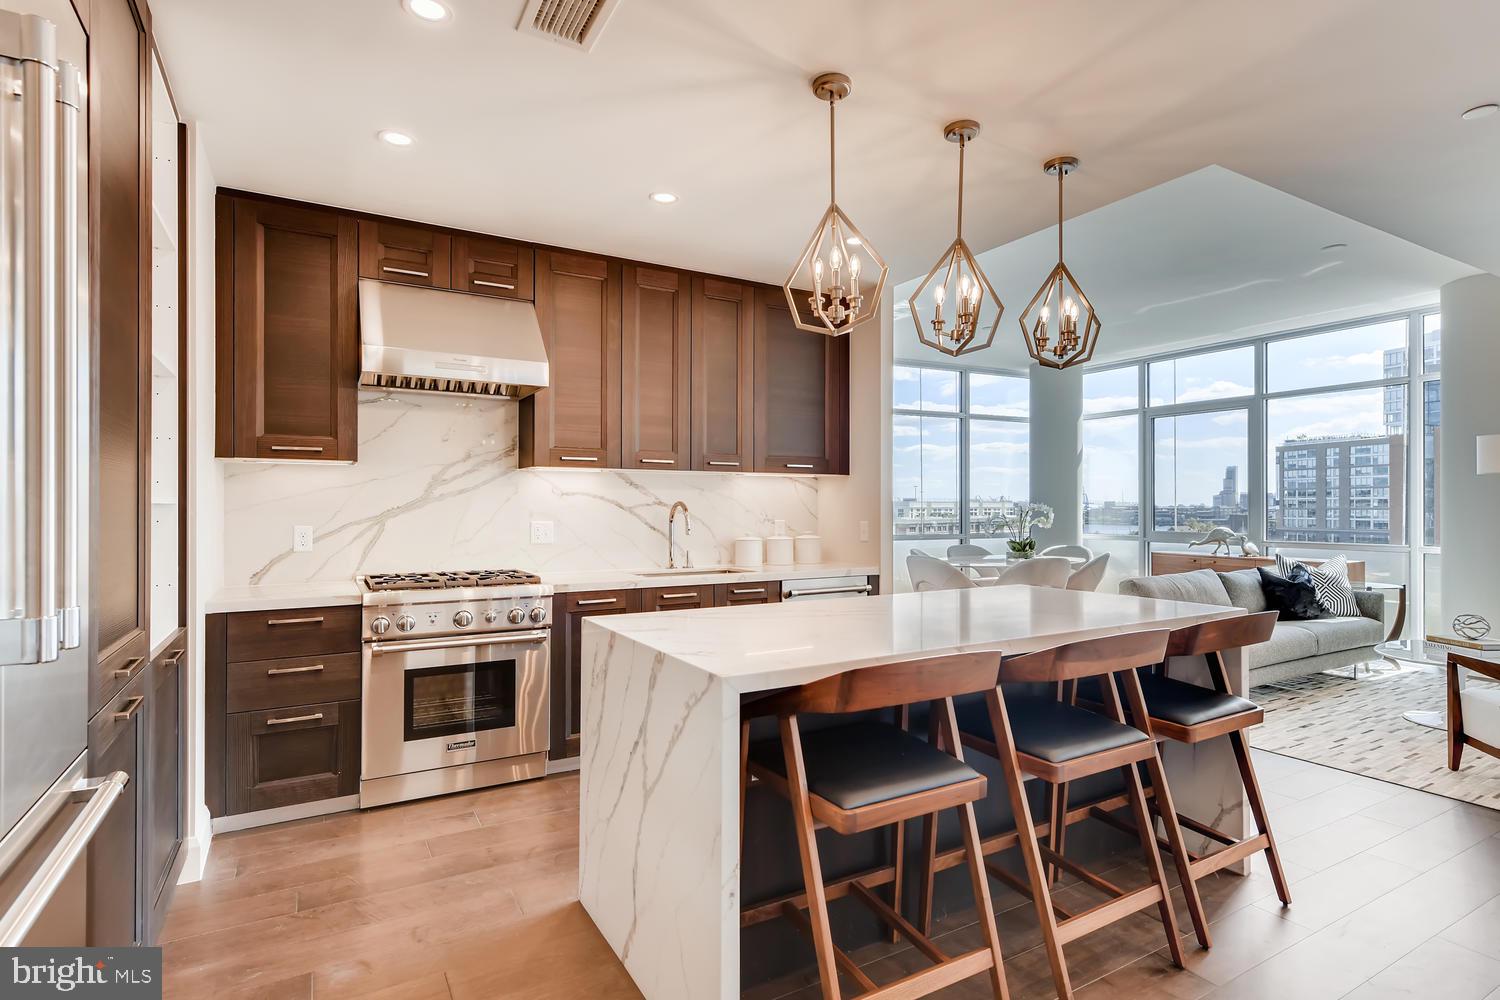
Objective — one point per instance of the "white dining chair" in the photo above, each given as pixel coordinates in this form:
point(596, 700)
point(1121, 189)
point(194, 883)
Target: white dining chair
point(1038, 571)
point(928, 573)
point(1090, 574)
point(969, 551)
point(1068, 551)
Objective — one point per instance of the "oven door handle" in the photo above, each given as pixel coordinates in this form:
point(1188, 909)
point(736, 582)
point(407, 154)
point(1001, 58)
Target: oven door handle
point(456, 642)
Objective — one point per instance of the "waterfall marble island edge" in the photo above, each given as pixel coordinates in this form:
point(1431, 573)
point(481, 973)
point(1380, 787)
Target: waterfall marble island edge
point(659, 816)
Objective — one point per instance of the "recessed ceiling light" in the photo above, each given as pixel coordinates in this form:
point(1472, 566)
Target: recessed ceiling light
point(1334, 246)
point(1480, 111)
point(394, 138)
point(663, 197)
point(427, 10)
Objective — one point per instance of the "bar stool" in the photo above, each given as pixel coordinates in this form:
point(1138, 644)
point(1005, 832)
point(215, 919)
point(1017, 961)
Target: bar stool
point(1190, 713)
point(864, 775)
point(1045, 738)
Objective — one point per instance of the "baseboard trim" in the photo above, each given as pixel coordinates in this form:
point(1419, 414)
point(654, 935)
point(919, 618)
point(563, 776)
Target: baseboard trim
point(195, 849)
point(283, 814)
point(564, 766)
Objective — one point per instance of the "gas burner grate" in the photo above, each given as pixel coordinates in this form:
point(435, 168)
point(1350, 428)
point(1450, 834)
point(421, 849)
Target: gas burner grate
point(449, 580)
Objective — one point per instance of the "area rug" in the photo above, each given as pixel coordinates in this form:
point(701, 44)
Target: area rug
point(1355, 725)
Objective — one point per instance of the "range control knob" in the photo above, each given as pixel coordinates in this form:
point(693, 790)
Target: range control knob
point(492, 616)
point(380, 625)
point(515, 616)
point(405, 623)
point(538, 613)
point(463, 619)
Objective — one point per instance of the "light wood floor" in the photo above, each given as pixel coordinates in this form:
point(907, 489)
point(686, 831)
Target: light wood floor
point(1396, 894)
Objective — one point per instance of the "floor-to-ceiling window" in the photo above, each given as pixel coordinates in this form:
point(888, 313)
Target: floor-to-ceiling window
point(1304, 441)
point(960, 456)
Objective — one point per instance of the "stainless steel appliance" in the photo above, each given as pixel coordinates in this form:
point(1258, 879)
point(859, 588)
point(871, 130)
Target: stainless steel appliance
point(49, 808)
point(455, 677)
point(825, 587)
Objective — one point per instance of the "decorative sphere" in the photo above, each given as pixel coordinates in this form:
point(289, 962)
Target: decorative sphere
point(1471, 627)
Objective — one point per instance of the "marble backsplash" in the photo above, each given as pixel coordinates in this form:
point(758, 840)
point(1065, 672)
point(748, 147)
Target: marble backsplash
point(436, 487)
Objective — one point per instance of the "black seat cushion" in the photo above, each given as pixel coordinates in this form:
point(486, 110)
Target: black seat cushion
point(1188, 704)
point(862, 763)
point(1047, 729)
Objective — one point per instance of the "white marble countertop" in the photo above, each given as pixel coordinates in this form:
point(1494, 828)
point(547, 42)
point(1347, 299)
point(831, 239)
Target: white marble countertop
point(270, 597)
point(774, 645)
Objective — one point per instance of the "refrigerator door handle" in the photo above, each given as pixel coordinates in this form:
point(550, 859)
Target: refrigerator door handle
point(72, 395)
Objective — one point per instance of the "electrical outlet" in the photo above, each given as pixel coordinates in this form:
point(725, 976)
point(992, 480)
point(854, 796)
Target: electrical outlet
point(864, 531)
point(541, 533)
point(302, 538)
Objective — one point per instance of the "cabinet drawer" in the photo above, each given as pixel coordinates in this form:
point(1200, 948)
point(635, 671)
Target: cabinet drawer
point(409, 254)
point(292, 755)
point(293, 680)
point(594, 601)
point(267, 635)
point(492, 267)
point(731, 594)
point(675, 598)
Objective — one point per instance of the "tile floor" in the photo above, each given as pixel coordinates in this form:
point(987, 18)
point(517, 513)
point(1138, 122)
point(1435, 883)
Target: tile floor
point(1396, 893)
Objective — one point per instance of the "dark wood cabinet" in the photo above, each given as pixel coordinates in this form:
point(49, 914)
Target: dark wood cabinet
point(412, 255)
point(117, 742)
point(288, 276)
point(801, 393)
point(265, 635)
point(286, 756)
point(567, 659)
point(723, 375)
point(655, 352)
point(162, 816)
point(293, 680)
point(575, 421)
point(679, 598)
point(492, 267)
point(728, 595)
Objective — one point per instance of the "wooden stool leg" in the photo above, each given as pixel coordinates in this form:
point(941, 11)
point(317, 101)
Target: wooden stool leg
point(929, 838)
point(1258, 811)
point(1057, 830)
point(1031, 853)
point(744, 776)
point(812, 870)
point(1180, 857)
point(982, 902)
point(898, 853)
point(1147, 830)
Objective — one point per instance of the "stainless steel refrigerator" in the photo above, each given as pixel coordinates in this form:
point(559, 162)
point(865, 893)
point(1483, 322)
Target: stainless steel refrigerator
point(49, 805)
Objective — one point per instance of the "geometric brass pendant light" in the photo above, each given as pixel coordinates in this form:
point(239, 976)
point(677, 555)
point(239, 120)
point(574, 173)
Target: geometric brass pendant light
point(824, 284)
point(1060, 325)
point(958, 281)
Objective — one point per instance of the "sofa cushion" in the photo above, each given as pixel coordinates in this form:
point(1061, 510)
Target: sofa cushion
point(1243, 587)
point(1481, 708)
point(1337, 634)
point(1293, 597)
point(1289, 641)
point(1201, 586)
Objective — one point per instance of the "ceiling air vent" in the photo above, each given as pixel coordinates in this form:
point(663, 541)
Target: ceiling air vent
point(576, 23)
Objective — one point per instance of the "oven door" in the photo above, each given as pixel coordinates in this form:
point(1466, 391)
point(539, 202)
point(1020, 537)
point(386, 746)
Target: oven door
point(431, 703)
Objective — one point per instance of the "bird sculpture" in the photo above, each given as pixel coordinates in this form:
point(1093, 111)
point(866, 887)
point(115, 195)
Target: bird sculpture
point(1219, 538)
point(1248, 548)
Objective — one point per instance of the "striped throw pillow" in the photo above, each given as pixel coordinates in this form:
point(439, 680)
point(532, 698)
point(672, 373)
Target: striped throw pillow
point(1331, 584)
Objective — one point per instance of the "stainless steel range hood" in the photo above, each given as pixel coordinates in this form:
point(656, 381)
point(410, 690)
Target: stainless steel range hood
point(427, 340)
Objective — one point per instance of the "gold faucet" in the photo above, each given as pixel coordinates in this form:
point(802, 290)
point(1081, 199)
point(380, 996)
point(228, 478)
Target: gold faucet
point(687, 521)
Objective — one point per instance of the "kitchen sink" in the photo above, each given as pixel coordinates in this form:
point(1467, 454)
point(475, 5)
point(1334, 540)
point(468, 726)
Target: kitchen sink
point(713, 571)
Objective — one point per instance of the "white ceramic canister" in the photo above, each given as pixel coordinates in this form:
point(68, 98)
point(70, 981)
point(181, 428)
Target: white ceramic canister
point(779, 550)
point(809, 549)
point(749, 552)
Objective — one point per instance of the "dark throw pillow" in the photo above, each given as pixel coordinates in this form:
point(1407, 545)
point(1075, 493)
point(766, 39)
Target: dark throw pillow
point(1292, 596)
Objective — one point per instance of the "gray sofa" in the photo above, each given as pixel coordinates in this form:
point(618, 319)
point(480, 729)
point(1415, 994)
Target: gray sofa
point(1295, 648)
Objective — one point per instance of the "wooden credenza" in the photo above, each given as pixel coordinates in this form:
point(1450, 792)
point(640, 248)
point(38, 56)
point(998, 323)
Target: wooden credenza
point(1163, 563)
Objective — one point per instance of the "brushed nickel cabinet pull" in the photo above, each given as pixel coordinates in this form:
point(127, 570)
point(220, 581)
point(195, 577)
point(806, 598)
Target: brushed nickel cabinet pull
point(577, 458)
point(596, 600)
point(174, 659)
point(133, 706)
point(130, 666)
point(492, 284)
point(734, 464)
point(404, 270)
point(749, 590)
point(658, 461)
point(297, 447)
point(316, 668)
point(273, 622)
point(799, 465)
point(675, 597)
point(314, 717)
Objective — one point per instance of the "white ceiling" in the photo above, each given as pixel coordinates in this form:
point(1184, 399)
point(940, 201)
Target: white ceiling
point(1350, 104)
point(1208, 257)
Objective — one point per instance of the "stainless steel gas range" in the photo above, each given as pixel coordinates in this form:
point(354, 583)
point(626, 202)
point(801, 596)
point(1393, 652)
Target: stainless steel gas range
point(455, 675)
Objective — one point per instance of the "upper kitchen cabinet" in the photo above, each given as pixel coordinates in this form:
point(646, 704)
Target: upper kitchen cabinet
point(492, 267)
point(801, 393)
point(575, 421)
point(723, 411)
point(655, 346)
point(287, 291)
point(412, 255)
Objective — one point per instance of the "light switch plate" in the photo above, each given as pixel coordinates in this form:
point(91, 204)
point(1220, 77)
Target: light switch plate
point(864, 531)
point(302, 538)
point(541, 533)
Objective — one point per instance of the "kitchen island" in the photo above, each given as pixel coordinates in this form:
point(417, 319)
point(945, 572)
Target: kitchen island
point(659, 821)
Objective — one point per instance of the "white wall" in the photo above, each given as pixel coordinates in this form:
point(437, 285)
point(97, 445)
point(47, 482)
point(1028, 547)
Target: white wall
point(1470, 503)
point(205, 486)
